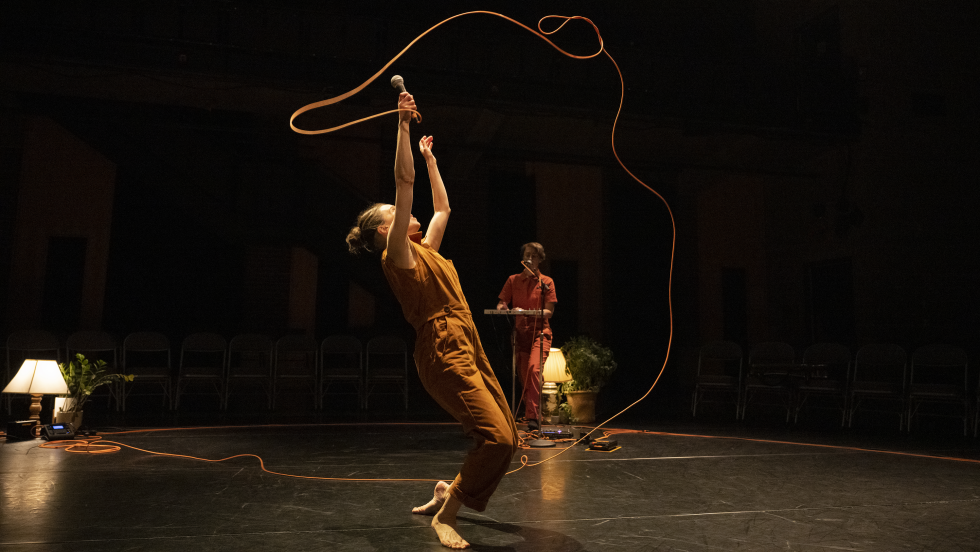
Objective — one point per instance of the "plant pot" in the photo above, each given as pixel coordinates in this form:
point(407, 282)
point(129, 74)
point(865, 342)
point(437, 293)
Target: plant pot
point(583, 405)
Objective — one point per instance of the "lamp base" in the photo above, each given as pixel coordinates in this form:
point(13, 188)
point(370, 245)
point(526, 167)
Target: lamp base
point(35, 409)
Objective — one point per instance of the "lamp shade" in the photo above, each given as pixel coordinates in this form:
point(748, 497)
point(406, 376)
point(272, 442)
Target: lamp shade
point(38, 377)
point(554, 367)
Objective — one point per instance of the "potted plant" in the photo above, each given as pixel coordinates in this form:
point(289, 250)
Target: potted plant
point(590, 365)
point(83, 377)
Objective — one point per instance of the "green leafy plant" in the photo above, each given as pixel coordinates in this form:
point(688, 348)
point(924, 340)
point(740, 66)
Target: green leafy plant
point(566, 409)
point(83, 377)
point(590, 364)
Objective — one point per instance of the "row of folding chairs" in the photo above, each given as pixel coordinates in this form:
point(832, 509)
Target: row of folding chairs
point(880, 376)
point(338, 364)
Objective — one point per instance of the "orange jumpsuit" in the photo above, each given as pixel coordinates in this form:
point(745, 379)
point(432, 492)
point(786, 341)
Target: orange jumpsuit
point(454, 369)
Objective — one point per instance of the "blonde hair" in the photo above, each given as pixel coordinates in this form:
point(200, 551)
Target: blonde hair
point(364, 233)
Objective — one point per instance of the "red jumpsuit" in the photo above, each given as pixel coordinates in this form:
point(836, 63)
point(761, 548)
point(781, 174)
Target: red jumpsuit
point(454, 369)
point(524, 292)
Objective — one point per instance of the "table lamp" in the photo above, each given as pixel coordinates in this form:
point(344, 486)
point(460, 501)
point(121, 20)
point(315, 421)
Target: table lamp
point(554, 372)
point(38, 378)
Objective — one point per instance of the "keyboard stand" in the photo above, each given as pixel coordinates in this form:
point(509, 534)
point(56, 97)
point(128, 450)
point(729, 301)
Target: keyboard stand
point(513, 348)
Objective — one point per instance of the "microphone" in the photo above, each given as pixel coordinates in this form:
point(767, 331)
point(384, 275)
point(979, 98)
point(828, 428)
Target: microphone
point(527, 266)
point(398, 83)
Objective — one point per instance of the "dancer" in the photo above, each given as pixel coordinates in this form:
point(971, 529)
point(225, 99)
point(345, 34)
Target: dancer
point(450, 359)
point(531, 290)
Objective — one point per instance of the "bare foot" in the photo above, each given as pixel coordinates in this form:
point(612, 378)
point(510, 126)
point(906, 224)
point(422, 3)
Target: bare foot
point(433, 506)
point(448, 535)
point(444, 522)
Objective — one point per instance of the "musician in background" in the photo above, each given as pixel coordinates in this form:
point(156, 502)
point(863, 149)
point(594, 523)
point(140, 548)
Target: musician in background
point(531, 290)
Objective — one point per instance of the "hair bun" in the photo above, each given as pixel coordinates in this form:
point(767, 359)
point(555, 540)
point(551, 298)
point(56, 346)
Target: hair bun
point(363, 234)
point(355, 242)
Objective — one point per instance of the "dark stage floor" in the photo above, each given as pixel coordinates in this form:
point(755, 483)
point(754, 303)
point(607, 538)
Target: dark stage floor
point(658, 492)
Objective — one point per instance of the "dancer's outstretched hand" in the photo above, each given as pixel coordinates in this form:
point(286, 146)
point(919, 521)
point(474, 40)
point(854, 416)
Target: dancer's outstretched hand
point(425, 146)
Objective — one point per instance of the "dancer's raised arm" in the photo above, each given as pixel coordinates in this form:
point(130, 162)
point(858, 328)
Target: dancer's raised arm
point(458, 375)
point(440, 200)
point(399, 250)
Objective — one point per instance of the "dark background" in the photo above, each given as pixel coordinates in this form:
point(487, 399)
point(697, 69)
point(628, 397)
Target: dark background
point(858, 123)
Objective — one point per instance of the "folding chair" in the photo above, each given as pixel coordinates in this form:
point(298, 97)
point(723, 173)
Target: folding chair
point(342, 362)
point(827, 367)
point(146, 355)
point(938, 374)
point(203, 359)
point(878, 376)
point(976, 410)
point(772, 371)
point(387, 364)
point(295, 362)
point(720, 366)
point(250, 364)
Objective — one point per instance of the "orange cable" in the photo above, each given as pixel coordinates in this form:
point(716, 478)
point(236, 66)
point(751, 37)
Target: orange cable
point(96, 445)
point(614, 431)
point(85, 445)
point(90, 446)
point(542, 34)
point(418, 116)
point(115, 446)
point(670, 275)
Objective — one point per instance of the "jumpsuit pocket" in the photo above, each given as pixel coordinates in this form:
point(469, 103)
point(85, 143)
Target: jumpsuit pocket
point(445, 338)
point(440, 329)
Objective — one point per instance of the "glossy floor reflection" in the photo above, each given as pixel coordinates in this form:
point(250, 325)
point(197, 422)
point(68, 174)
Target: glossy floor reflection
point(676, 491)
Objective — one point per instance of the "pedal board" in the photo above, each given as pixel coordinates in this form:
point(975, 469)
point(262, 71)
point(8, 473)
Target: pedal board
point(603, 445)
point(57, 432)
point(552, 432)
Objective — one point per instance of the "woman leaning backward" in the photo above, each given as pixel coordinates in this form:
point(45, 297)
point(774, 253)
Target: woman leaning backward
point(450, 359)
